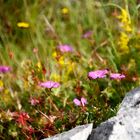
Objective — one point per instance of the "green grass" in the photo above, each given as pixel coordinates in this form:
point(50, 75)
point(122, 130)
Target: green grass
point(48, 28)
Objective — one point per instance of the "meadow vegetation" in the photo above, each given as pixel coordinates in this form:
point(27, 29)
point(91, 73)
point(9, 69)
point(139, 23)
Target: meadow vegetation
point(65, 63)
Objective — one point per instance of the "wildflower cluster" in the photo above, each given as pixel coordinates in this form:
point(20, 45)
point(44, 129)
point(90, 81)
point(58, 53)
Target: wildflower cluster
point(61, 56)
point(126, 29)
point(59, 69)
point(78, 102)
point(103, 73)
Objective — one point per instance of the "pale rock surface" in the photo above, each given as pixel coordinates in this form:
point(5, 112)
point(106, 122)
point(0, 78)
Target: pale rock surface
point(78, 133)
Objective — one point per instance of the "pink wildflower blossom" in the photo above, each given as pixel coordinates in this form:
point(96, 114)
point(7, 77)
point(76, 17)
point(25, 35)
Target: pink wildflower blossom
point(87, 34)
point(117, 76)
point(97, 74)
point(4, 69)
point(81, 102)
point(65, 48)
point(77, 102)
point(34, 101)
point(49, 84)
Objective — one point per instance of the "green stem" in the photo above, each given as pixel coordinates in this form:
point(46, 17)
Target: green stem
point(113, 4)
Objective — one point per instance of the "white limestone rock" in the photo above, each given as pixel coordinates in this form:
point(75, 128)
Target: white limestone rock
point(78, 133)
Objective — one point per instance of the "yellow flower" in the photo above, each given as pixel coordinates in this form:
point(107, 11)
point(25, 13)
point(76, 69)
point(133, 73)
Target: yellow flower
point(128, 28)
point(125, 20)
point(123, 42)
point(54, 54)
point(39, 66)
point(70, 66)
point(6, 97)
point(23, 25)
point(61, 61)
point(124, 16)
point(1, 84)
point(65, 11)
point(55, 77)
point(6, 91)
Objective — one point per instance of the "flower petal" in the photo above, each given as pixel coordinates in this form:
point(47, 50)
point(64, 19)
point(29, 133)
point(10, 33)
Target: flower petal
point(117, 76)
point(77, 102)
point(65, 48)
point(49, 84)
point(83, 101)
point(97, 74)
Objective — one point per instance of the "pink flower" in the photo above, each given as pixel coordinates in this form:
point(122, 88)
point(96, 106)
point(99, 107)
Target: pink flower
point(117, 76)
point(49, 84)
point(87, 34)
point(34, 101)
point(97, 74)
point(80, 103)
point(77, 102)
point(4, 69)
point(65, 48)
point(83, 101)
